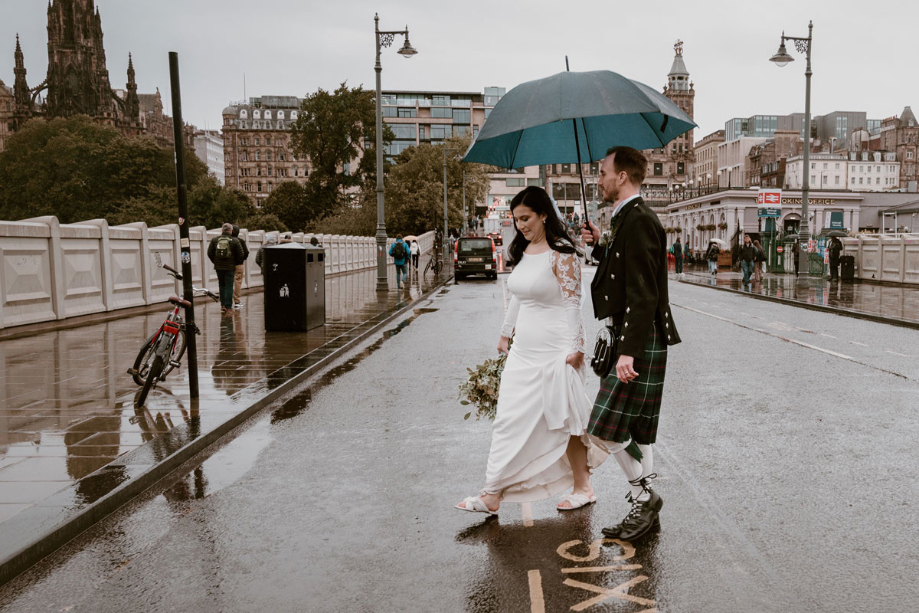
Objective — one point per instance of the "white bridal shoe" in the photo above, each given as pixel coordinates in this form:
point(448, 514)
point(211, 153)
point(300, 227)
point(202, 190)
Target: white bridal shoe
point(576, 501)
point(474, 504)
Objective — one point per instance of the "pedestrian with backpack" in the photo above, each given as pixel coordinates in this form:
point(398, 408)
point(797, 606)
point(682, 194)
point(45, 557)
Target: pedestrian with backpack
point(400, 253)
point(226, 253)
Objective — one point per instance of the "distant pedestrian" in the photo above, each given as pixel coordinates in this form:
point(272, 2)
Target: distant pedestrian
point(795, 250)
point(677, 251)
point(226, 253)
point(285, 238)
point(835, 249)
point(758, 263)
point(687, 254)
point(240, 271)
point(748, 255)
point(416, 254)
point(400, 253)
point(712, 256)
point(270, 240)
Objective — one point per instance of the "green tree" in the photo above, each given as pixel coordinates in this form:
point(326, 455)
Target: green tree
point(335, 132)
point(210, 204)
point(415, 188)
point(288, 202)
point(76, 169)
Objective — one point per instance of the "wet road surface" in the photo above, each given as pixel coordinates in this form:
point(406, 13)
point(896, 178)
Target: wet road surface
point(899, 302)
point(786, 461)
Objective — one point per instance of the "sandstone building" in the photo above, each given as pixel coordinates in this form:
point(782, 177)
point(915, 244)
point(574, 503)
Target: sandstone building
point(77, 81)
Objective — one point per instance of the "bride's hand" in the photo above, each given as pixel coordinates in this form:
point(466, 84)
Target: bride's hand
point(576, 360)
point(503, 344)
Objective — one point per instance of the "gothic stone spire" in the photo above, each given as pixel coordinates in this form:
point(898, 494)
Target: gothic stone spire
point(131, 102)
point(21, 93)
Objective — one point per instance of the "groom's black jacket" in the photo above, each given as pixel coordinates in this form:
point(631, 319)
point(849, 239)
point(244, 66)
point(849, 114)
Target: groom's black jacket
point(631, 280)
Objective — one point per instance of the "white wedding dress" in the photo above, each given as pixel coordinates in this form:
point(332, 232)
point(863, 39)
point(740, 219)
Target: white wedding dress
point(542, 400)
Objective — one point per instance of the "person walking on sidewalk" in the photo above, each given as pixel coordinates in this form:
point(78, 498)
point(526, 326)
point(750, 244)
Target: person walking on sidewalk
point(240, 270)
point(677, 251)
point(226, 253)
point(835, 251)
point(630, 288)
point(796, 250)
point(539, 445)
point(416, 254)
point(712, 257)
point(748, 254)
point(270, 240)
point(400, 253)
point(759, 262)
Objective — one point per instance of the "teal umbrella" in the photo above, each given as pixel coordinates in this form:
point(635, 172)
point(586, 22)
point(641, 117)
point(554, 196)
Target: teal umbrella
point(534, 123)
point(575, 117)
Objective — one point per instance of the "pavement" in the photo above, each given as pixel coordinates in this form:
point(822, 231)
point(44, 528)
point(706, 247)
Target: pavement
point(894, 304)
point(786, 458)
point(72, 444)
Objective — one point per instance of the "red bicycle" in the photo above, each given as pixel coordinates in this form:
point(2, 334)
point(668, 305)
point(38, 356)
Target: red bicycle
point(162, 352)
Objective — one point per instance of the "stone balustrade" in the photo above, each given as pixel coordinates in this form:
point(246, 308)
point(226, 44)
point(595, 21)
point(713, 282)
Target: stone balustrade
point(52, 271)
point(884, 257)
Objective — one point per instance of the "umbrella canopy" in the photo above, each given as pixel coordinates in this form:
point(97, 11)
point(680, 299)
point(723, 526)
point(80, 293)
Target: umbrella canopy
point(837, 233)
point(410, 237)
point(532, 123)
point(718, 242)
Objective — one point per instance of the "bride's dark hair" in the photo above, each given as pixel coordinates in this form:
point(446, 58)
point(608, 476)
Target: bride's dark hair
point(556, 233)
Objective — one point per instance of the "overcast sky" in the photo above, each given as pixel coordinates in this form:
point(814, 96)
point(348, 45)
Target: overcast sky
point(863, 58)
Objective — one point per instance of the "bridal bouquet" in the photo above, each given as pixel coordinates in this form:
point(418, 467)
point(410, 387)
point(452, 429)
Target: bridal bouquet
point(481, 389)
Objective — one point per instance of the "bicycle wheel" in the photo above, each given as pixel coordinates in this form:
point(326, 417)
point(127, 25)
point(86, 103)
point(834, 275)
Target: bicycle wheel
point(156, 368)
point(142, 362)
point(175, 356)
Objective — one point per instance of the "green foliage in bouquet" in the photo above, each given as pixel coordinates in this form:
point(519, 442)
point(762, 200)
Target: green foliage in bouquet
point(481, 389)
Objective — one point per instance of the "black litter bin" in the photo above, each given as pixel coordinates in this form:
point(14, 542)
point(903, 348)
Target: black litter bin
point(847, 267)
point(294, 287)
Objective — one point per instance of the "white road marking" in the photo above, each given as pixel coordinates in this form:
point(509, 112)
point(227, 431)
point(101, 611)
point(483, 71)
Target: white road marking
point(859, 344)
point(827, 335)
point(902, 355)
point(795, 342)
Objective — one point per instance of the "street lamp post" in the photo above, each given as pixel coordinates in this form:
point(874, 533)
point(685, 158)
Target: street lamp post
point(384, 39)
point(781, 58)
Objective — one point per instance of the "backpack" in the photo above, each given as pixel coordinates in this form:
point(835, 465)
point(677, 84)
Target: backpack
point(398, 250)
point(223, 246)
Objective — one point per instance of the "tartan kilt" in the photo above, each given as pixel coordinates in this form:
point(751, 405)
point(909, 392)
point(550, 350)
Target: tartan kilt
point(632, 410)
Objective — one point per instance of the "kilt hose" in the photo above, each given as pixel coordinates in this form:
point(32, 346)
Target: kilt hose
point(631, 410)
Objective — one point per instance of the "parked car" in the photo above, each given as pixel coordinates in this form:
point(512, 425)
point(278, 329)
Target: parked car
point(497, 237)
point(475, 255)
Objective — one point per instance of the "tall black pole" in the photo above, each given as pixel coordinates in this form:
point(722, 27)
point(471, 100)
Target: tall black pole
point(178, 130)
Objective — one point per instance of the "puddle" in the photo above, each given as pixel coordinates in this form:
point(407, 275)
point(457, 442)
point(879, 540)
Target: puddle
point(301, 401)
point(225, 467)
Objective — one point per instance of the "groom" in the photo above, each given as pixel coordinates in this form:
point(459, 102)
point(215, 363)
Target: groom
point(630, 288)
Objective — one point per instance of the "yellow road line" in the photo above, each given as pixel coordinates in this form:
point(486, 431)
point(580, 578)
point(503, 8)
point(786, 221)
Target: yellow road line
point(537, 601)
point(527, 511)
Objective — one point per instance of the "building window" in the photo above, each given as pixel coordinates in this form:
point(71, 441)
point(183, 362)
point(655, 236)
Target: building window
point(269, 171)
point(837, 179)
point(461, 116)
point(267, 114)
point(258, 186)
point(515, 182)
point(294, 114)
point(246, 186)
point(268, 156)
point(536, 182)
point(680, 168)
point(244, 114)
point(269, 187)
point(909, 155)
point(442, 113)
point(852, 181)
point(813, 166)
point(658, 169)
point(837, 166)
point(256, 114)
point(267, 140)
point(566, 169)
point(861, 180)
point(258, 156)
point(877, 181)
point(407, 113)
point(256, 141)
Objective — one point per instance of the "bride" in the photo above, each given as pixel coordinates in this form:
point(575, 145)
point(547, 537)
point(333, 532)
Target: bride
point(539, 447)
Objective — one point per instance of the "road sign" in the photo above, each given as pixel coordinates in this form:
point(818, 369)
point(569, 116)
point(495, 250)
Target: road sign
point(836, 222)
point(769, 212)
point(769, 198)
point(779, 249)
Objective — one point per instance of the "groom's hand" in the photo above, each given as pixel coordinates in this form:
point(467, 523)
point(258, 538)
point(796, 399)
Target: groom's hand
point(624, 368)
point(591, 235)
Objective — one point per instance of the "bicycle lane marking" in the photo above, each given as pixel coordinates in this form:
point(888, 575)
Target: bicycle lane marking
point(620, 591)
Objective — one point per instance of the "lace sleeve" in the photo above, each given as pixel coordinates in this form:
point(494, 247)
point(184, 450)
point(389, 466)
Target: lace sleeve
point(567, 269)
point(510, 320)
